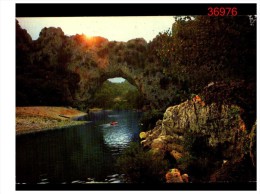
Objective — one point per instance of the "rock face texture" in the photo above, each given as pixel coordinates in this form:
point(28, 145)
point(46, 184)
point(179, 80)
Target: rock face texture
point(221, 125)
point(74, 67)
point(201, 135)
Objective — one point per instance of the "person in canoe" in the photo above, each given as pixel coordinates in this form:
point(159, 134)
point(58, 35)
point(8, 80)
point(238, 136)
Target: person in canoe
point(113, 123)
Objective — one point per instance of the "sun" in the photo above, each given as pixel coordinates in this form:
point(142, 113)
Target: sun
point(93, 41)
point(87, 37)
point(89, 40)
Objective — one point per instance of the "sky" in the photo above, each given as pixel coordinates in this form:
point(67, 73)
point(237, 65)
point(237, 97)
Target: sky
point(116, 79)
point(113, 28)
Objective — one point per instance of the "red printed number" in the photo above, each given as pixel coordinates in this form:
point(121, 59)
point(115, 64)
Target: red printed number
point(222, 11)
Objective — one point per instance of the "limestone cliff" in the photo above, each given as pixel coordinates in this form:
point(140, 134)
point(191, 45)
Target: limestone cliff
point(59, 69)
point(200, 135)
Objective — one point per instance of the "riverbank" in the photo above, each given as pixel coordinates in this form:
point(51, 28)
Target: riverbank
point(95, 109)
point(36, 119)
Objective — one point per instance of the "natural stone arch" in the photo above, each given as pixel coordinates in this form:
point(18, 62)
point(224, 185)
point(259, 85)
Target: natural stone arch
point(127, 60)
point(94, 60)
point(98, 82)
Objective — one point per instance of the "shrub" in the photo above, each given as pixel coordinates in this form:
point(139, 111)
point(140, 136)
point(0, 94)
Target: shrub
point(150, 118)
point(140, 166)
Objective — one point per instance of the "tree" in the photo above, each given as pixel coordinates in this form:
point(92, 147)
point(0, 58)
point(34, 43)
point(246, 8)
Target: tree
point(162, 47)
point(214, 48)
point(117, 96)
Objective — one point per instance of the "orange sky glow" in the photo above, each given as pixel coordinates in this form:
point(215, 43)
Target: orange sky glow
point(112, 28)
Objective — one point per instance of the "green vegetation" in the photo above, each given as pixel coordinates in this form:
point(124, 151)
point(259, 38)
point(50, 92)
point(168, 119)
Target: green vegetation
point(202, 159)
point(118, 96)
point(234, 112)
point(141, 166)
point(150, 118)
point(213, 49)
point(239, 92)
point(202, 50)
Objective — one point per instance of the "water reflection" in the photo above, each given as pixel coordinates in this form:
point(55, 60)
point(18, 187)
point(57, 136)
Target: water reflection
point(117, 137)
point(78, 154)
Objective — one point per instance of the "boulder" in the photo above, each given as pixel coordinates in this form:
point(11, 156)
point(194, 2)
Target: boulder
point(185, 178)
point(158, 143)
point(176, 155)
point(174, 176)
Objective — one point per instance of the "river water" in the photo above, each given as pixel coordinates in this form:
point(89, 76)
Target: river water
point(80, 154)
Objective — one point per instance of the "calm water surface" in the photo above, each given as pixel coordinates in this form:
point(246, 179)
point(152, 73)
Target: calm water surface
point(81, 154)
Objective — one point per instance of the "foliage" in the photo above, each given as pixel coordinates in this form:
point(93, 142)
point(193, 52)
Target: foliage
point(119, 96)
point(48, 88)
point(234, 112)
point(134, 99)
point(162, 47)
point(202, 159)
point(43, 79)
point(203, 49)
point(214, 48)
point(140, 166)
point(150, 118)
point(240, 93)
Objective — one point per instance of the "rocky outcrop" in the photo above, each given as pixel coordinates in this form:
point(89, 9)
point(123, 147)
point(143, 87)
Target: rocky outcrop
point(205, 134)
point(67, 70)
point(220, 125)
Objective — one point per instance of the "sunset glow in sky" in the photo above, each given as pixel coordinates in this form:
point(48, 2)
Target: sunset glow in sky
point(112, 28)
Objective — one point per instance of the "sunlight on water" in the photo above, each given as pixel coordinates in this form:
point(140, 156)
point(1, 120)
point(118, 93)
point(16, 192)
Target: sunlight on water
point(77, 155)
point(119, 136)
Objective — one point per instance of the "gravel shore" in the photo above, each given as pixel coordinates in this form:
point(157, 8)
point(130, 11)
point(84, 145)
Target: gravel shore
point(36, 119)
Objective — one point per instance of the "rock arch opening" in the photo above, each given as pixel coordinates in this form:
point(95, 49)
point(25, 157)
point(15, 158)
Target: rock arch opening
point(117, 93)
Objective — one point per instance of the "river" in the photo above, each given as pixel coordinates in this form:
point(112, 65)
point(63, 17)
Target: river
point(81, 154)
